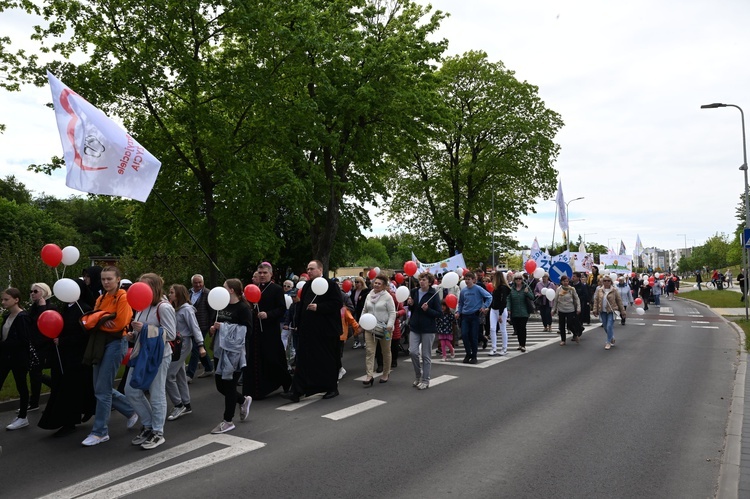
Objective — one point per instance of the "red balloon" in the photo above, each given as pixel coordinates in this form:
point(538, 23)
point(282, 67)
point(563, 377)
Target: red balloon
point(126, 359)
point(410, 268)
point(676, 291)
point(490, 287)
point(346, 286)
point(372, 274)
point(399, 278)
point(52, 255)
point(530, 266)
point(632, 274)
point(140, 296)
point(252, 293)
point(639, 301)
point(674, 278)
point(50, 323)
point(299, 293)
point(451, 301)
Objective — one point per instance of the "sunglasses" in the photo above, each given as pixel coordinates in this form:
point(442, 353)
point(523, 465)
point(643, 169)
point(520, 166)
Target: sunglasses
point(34, 291)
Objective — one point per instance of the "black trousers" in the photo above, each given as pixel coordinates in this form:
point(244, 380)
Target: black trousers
point(568, 321)
point(519, 326)
point(19, 375)
point(228, 388)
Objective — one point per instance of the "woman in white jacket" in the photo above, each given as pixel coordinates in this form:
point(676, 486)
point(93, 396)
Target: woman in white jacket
point(187, 326)
point(380, 304)
point(626, 295)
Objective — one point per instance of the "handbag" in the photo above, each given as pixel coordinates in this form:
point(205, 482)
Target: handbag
point(176, 345)
point(530, 306)
point(379, 331)
point(539, 301)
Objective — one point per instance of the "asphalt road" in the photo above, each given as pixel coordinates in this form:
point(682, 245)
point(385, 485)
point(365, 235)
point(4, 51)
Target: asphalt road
point(645, 419)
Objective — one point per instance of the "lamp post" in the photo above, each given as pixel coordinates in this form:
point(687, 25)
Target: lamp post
point(567, 215)
point(587, 234)
point(747, 201)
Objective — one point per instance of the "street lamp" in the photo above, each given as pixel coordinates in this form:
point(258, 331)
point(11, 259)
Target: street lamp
point(587, 234)
point(747, 201)
point(567, 215)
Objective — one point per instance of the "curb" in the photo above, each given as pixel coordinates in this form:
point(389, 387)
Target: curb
point(729, 470)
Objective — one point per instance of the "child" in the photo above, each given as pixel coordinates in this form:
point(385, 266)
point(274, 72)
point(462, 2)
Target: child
point(445, 331)
point(347, 321)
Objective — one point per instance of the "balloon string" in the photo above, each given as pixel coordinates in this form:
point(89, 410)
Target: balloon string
point(79, 307)
point(59, 360)
point(56, 274)
point(64, 267)
point(259, 320)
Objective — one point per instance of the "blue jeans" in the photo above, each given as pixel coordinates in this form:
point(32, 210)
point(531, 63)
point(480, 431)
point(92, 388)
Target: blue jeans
point(470, 333)
point(657, 300)
point(195, 356)
point(152, 410)
point(608, 320)
point(107, 397)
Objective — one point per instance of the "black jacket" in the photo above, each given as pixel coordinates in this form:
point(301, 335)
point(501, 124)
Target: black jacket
point(424, 322)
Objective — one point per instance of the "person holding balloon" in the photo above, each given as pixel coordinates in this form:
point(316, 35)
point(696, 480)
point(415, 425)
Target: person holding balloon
point(105, 350)
point(72, 392)
point(544, 303)
point(380, 306)
point(159, 313)
point(424, 310)
point(518, 309)
point(14, 351)
point(319, 327)
point(41, 346)
point(233, 325)
point(266, 369)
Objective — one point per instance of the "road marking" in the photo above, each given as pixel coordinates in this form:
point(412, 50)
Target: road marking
point(235, 446)
point(667, 320)
point(666, 310)
point(700, 322)
point(706, 327)
point(441, 379)
point(664, 325)
point(299, 405)
point(354, 410)
point(694, 315)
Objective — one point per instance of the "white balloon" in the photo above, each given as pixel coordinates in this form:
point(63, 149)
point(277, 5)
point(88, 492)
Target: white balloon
point(320, 285)
point(613, 276)
point(70, 255)
point(538, 272)
point(301, 284)
point(449, 280)
point(66, 290)
point(655, 275)
point(550, 294)
point(462, 285)
point(288, 300)
point(640, 311)
point(218, 298)
point(402, 293)
point(377, 270)
point(459, 271)
point(368, 322)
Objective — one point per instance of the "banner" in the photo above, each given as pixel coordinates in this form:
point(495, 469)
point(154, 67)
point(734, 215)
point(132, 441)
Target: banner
point(562, 213)
point(638, 250)
point(442, 266)
point(541, 258)
point(101, 157)
point(620, 264)
point(622, 248)
point(581, 261)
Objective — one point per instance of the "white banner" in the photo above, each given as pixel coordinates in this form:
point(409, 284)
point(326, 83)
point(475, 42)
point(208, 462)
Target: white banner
point(441, 267)
point(619, 264)
point(581, 261)
point(101, 157)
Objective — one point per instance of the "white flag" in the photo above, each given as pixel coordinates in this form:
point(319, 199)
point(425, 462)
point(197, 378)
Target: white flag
point(562, 213)
point(101, 157)
point(582, 248)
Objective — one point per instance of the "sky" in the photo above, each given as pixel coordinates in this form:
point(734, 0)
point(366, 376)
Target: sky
point(628, 79)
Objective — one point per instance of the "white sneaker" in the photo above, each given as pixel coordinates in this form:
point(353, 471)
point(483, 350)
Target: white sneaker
point(18, 423)
point(223, 427)
point(132, 420)
point(245, 408)
point(342, 373)
point(176, 413)
point(154, 440)
point(492, 353)
point(92, 440)
point(423, 385)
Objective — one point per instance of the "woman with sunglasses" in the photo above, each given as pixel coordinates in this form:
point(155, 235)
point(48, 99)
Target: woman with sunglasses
point(41, 347)
point(518, 311)
point(606, 301)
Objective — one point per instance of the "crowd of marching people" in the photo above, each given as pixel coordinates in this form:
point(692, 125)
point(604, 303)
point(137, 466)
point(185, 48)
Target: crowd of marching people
point(268, 338)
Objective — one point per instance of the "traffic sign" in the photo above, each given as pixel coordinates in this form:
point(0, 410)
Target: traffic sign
point(559, 269)
point(746, 238)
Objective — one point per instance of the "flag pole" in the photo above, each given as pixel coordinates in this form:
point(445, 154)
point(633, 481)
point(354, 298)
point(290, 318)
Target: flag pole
point(189, 233)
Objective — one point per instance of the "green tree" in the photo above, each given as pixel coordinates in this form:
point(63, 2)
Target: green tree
point(13, 190)
point(489, 143)
point(372, 253)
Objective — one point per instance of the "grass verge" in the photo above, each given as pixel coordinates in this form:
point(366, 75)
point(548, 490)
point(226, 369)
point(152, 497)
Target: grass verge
point(716, 299)
point(745, 325)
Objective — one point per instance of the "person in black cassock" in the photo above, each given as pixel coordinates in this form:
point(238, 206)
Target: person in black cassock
point(72, 382)
point(319, 328)
point(266, 368)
